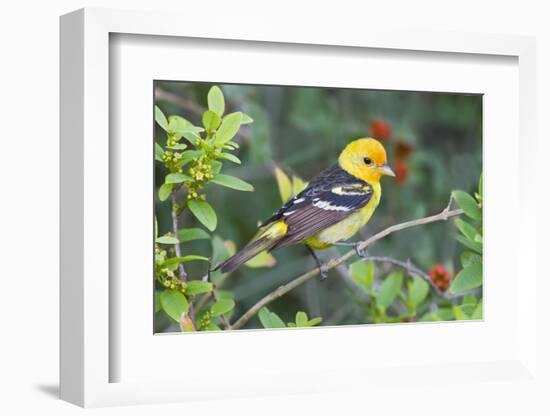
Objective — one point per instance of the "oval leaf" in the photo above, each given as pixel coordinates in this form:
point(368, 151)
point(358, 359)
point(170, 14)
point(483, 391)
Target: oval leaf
point(362, 273)
point(301, 319)
point(264, 259)
point(298, 185)
point(270, 319)
point(159, 152)
point(469, 257)
point(204, 213)
point(211, 120)
point(228, 129)
point(192, 234)
point(466, 228)
point(165, 190)
point(216, 102)
point(246, 119)
point(418, 290)
point(222, 306)
point(174, 303)
point(232, 182)
point(468, 204)
point(389, 289)
point(195, 287)
point(283, 182)
point(177, 178)
point(468, 278)
point(167, 239)
point(160, 118)
point(231, 158)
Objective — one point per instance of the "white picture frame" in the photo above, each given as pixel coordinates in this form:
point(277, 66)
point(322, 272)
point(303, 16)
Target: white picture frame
point(87, 356)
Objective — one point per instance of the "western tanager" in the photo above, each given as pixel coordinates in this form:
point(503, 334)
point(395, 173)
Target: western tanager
point(330, 210)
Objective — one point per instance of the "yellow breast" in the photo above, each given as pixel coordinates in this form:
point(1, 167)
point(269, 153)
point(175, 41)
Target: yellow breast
point(346, 228)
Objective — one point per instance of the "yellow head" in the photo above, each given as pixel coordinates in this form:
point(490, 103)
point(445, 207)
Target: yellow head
point(365, 159)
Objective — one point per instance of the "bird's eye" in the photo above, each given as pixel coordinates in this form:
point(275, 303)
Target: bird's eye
point(368, 161)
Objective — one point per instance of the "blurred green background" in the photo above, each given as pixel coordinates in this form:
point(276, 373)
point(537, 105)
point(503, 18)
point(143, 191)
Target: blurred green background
point(434, 143)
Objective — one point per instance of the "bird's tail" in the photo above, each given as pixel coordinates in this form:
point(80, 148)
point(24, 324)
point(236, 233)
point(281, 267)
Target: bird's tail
point(264, 240)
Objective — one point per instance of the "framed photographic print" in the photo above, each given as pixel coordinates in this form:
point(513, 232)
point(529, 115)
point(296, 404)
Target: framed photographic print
point(277, 214)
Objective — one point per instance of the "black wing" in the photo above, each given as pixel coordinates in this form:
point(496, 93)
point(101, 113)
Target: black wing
point(329, 198)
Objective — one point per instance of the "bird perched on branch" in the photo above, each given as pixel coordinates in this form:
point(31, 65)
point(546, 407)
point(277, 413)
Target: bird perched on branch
point(330, 210)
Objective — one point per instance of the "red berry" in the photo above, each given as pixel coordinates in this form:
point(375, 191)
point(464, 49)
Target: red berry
point(402, 150)
point(380, 129)
point(401, 172)
point(440, 277)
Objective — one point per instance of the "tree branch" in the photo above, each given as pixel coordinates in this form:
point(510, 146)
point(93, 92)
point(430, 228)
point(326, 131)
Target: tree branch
point(411, 269)
point(281, 290)
point(181, 270)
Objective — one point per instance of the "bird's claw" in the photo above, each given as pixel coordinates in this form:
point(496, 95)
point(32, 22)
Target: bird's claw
point(361, 252)
point(323, 271)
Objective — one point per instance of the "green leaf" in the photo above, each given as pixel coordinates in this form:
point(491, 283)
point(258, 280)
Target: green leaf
point(468, 204)
point(389, 289)
point(363, 273)
point(458, 313)
point(219, 250)
point(270, 319)
point(159, 152)
point(232, 182)
point(283, 182)
point(263, 259)
point(177, 178)
point(192, 137)
point(192, 234)
point(184, 259)
point(179, 126)
point(231, 158)
point(160, 118)
point(228, 129)
point(478, 311)
point(216, 102)
point(222, 306)
point(469, 302)
point(216, 166)
point(468, 278)
point(211, 120)
point(212, 327)
point(188, 156)
point(246, 119)
point(314, 321)
point(472, 245)
point(204, 213)
point(165, 190)
point(167, 239)
point(418, 290)
point(298, 185)
point(301, 319)
point(195, 287)
point(466, 228)
point(469, 257)
point(178, 146)
point(174, 303)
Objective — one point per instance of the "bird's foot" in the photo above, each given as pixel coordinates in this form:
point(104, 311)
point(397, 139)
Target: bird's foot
point(361, 252)
point(323, 271)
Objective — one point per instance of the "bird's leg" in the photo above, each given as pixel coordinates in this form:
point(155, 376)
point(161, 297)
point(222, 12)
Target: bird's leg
point(320, 265)
point(361, 252)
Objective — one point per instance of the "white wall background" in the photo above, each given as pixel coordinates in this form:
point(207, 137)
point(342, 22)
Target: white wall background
point(29, 172)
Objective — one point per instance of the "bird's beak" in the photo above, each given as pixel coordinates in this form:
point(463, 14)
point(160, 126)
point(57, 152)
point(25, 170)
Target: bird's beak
point(386, 170)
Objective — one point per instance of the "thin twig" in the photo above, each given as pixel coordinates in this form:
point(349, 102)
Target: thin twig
point(281, 290)
point(411, 270)
point(181, 269)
